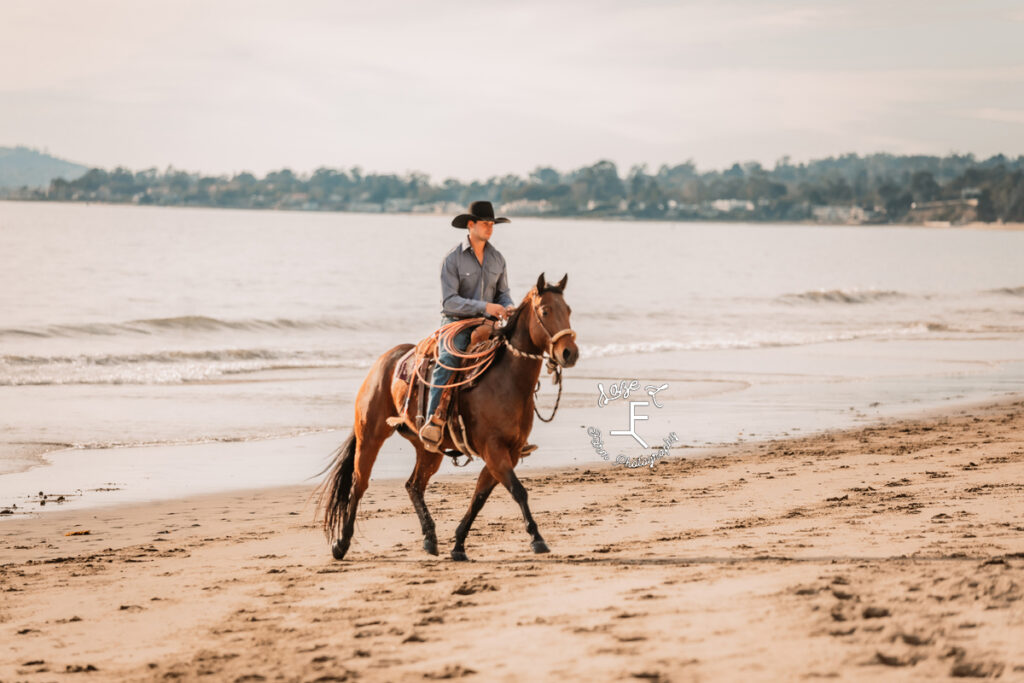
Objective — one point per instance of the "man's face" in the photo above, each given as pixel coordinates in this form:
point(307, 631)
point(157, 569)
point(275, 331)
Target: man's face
point(481, 230)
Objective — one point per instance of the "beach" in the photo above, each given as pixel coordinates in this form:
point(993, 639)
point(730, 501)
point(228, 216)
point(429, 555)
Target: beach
point(892, 551)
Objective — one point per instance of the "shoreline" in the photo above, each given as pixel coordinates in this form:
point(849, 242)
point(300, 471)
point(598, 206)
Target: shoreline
point(58, 481)
point(59, 475)
point(891, 550)
point(975, 225)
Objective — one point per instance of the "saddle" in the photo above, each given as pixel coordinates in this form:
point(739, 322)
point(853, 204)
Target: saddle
point(416, 367)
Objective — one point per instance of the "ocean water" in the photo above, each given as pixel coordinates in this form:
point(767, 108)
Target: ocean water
point(156, 335)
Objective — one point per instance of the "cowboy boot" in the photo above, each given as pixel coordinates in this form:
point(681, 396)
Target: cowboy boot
point(432, 433)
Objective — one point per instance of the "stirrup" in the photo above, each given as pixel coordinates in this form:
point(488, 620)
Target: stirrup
point(427, 436)
point(527, 449)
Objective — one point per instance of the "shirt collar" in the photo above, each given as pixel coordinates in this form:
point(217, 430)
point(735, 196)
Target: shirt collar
point(469, 245)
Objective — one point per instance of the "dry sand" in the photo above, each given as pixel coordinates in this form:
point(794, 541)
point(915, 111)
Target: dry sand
point(890, 552)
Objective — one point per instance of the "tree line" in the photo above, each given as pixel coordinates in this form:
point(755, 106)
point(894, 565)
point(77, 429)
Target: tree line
point(850, 188)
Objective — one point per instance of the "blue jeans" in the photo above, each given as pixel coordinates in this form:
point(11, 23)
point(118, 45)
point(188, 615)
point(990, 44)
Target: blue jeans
point(442, 375)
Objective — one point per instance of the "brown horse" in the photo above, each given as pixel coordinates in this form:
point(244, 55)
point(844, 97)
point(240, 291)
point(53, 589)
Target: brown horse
point(498, 415)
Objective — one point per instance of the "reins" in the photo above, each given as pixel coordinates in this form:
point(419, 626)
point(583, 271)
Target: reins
point(557, 379)
point(552, 367)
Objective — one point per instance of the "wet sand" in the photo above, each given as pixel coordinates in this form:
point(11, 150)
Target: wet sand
point(891, 552)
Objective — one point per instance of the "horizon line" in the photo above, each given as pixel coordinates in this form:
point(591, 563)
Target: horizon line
point(409, 172)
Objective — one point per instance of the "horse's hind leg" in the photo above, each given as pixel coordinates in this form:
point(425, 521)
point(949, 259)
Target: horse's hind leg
point(369, 438)
point(427, 464)
point(500, 462)
point(485, 483)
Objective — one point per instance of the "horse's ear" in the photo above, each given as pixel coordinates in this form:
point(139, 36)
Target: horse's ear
point(561, 283)
point(540, 283)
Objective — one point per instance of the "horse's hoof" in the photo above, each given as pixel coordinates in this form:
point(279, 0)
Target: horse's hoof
point(540, 547)
point(459, 556)
point(339, 550)
point(430, 545)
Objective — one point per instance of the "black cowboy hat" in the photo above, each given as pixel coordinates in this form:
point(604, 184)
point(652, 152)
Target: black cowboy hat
point(478, 211)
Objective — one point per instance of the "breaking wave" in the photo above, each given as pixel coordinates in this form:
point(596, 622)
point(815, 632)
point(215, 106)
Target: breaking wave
point(165, 367)
point(190, 323)
point(755, 341)
point(1008, 291)
point(159, 357)
point(843, 296)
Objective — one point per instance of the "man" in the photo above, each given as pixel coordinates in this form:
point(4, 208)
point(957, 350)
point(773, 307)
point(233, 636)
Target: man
point(474, 283)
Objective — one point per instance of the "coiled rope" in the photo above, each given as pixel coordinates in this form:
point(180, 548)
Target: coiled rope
point(445, 336)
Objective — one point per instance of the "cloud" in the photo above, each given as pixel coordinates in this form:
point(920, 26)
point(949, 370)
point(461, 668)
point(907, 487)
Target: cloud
point(401, 85)
point(1015, 116)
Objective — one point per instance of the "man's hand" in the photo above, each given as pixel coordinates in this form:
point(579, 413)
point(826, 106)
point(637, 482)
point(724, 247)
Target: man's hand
point(497, 310)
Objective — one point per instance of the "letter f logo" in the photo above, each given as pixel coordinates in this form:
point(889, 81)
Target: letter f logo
point(633, 417)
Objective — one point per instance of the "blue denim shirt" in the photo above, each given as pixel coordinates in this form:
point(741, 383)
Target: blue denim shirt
point(467, 287)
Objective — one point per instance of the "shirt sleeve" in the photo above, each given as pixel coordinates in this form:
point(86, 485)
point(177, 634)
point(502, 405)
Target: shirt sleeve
point(451, 303)
point(501, 294)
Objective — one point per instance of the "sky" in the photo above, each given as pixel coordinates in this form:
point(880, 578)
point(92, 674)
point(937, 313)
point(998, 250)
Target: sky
point(477, 89)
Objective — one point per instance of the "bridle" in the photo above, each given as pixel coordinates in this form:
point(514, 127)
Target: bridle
point(552, 338)
point(554, 365)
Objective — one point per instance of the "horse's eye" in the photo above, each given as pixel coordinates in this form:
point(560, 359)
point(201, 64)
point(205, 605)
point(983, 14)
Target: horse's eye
point(544, 311)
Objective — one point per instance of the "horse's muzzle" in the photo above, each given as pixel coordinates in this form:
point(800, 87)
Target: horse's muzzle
point(567, 357)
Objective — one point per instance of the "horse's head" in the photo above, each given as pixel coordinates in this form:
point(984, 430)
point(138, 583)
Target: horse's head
point(549, 322)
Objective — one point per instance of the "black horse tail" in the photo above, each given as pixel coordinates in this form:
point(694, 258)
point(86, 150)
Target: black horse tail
point(334, 492)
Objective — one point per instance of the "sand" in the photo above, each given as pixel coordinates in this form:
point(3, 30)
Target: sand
point(889, 552)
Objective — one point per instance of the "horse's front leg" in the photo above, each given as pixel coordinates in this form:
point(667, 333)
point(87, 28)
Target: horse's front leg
point(501, 469)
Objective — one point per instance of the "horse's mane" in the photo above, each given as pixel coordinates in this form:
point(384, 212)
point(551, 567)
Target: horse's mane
point(510, 325)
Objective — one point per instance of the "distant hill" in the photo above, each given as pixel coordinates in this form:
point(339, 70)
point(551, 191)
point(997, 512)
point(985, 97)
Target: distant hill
point(24, 167)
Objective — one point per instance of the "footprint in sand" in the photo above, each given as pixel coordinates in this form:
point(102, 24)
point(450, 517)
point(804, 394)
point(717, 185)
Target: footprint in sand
point(472, 586)
point(450, 671)
point(906, 659)
point(426, 621)
point(840, 594)
point(977, 669)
